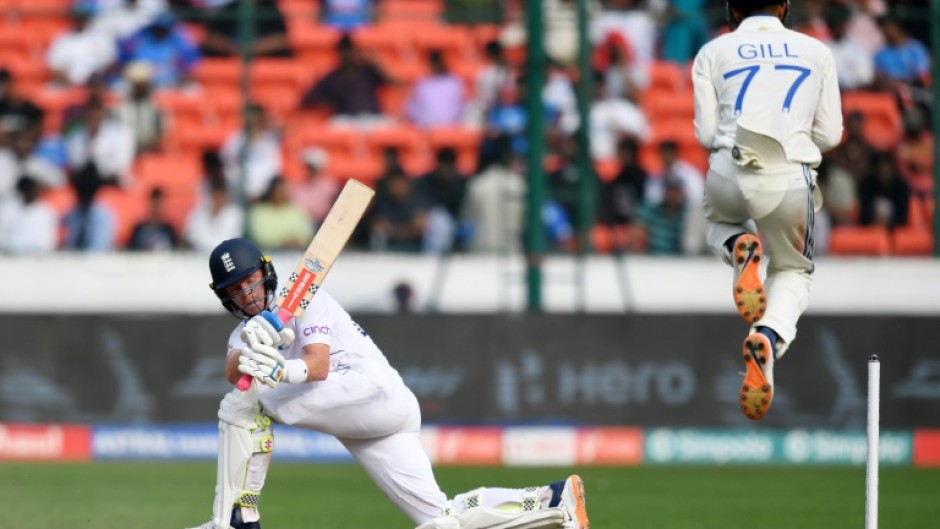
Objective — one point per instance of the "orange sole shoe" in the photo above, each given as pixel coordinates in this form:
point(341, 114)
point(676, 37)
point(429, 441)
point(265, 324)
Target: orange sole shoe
point(575, 503)
point(757, 390)
point(749, 295)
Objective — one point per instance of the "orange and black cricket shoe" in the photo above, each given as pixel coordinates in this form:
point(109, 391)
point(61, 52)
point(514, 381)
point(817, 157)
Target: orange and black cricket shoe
point(750, 297)
point(757, 390)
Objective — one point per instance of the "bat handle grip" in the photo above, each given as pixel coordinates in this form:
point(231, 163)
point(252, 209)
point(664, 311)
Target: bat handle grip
point(278, 322)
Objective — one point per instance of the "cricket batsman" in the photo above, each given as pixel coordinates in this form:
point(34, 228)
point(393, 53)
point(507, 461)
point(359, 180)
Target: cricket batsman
point(767, 105)
point(323, 372)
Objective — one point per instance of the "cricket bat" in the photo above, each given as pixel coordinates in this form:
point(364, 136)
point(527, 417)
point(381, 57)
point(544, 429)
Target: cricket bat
point(317, 260)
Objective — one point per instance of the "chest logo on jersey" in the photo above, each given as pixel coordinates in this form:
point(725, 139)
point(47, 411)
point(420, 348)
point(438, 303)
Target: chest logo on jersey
point(749, 51)
point(317, 329)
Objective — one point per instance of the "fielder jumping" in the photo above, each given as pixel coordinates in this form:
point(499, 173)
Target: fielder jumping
point(767, 105)
point(323, 372)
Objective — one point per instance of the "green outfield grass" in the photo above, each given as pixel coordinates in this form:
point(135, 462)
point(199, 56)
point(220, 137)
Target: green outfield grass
point(310, 496)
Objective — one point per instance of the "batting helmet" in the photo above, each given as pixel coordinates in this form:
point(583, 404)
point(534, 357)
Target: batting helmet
point(232, 261)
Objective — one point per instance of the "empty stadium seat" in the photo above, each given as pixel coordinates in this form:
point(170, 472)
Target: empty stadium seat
point(337, 142)
point(859, 241)
point(364, 169)
point(410, 12)
point(153, 170)
point(882, 126)
point(127, 207)
point(606, 169)
point(466, 141)
point(404, 138)
point(910, 241)
point(666, 76)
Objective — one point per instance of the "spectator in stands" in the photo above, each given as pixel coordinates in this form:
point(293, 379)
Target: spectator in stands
point(902, 66)
point(102, 142)
point(441, 193)
point(854, 64)
point(138, 112)
point(664, 222)
point(437, 99)
point(263, 161)
point(213, 170)
point(883, 196)
point(633, 22)
point(622, 77)
point(839, 190)
point(346, 15)
point(120, 19)
point(166, 47)
point(96, 94)
point(611, 119)
point(621, 197)
point(684, 30)
point(915, 153)
point(318, 190)
point(90, 225)
point(855, 153)
point(693, 186)
point(214, 219)
point(558, 95)
point(351, 89)
point(77, 54)
point(269, 31)
point(20, 159)
point(17, 113)
point(398, 220)
point(27, 225)
point(508, 117)
point(154, 233)
point(276, 223)
point(493, 213)
point(490, 79)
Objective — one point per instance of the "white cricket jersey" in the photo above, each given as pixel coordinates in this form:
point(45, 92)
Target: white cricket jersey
point(780, 77)
point(326, 322)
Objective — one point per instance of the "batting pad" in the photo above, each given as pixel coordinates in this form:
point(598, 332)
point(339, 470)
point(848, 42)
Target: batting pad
point(244, 458)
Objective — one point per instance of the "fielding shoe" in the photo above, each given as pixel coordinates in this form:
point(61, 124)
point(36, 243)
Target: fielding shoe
point(235, 523)
point(574, 504)
point(749, 295)
point(757, 390)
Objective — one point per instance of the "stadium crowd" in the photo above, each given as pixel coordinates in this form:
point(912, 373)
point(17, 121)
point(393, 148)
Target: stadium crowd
point(121, 125)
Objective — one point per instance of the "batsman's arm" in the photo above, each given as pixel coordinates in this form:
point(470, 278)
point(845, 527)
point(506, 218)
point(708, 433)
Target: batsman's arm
point(316, 357)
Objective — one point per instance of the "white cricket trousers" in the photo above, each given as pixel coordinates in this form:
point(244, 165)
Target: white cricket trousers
point(377, 418)
point(778, 205)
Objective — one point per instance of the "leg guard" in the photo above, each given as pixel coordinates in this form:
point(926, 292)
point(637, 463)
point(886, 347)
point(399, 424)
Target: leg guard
point(245, 448)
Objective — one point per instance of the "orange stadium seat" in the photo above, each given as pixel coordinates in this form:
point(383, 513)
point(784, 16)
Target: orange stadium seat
point(61, 199)
point(912, 241)
point(314, 46)
point(279, 72)
point(466, 141)
point(410, 12)
point(385, 44)
point(602, 239)
point(212, 73)
point(128, 209)
point(152, 170)
point(661, 104)
point(483, 34)
point(859, 240)
point(365, 169)
point(337, 142)
point(882, 126)
point(666, 76)
point(606, 169)
point(453, 41)
point(405, 138)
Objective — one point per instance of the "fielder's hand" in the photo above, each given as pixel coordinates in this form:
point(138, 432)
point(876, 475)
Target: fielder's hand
point(266, 331)
point(261, 360)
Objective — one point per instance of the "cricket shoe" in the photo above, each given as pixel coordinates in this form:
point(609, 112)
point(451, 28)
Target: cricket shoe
point(750, 297)
point(757, 390)
point(235, 523)
point(574, 504)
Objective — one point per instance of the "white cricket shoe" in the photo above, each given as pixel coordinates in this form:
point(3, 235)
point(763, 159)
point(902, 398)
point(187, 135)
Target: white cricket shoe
point(207, 525)
point(573, 503)
point(757, 390)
